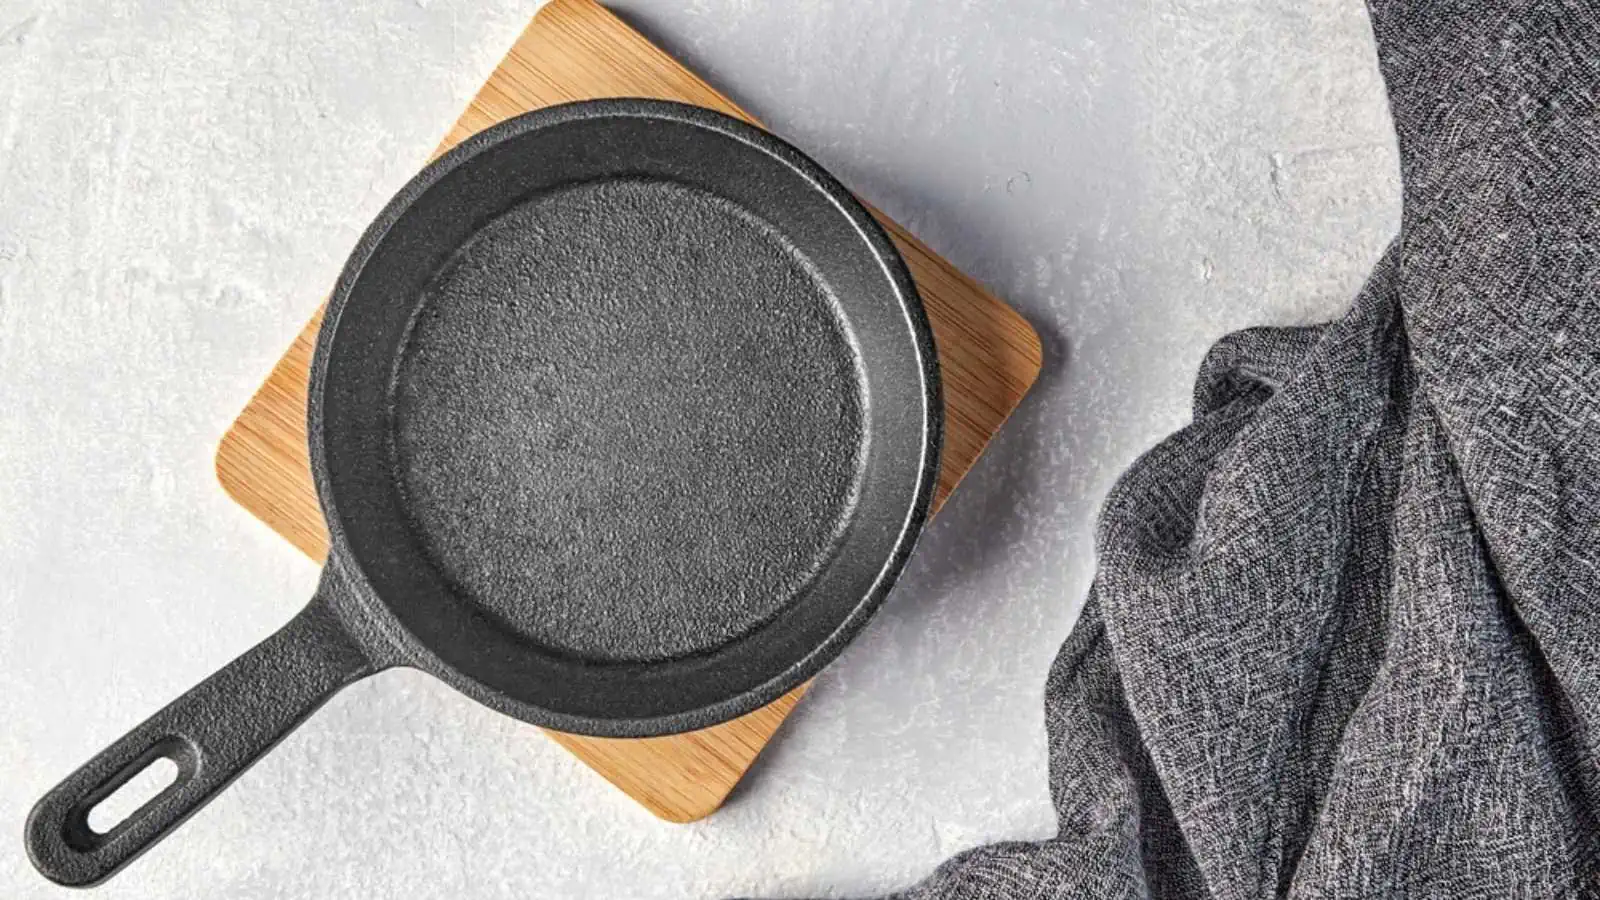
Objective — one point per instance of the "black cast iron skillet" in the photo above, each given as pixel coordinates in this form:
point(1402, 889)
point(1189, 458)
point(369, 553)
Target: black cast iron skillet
point(624, 417)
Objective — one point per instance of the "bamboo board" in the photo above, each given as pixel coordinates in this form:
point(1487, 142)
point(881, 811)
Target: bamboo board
point(576, 50)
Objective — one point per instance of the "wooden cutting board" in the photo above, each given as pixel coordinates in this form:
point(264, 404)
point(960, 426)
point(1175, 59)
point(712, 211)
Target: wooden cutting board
point(576, 50)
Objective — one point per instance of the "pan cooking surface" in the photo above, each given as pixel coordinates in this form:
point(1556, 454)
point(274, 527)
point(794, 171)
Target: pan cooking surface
point(627, 421)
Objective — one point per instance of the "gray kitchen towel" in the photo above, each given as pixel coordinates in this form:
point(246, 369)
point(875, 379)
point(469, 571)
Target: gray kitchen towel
point(1344, 637)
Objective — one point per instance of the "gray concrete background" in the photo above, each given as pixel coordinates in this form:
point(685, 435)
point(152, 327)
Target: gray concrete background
point(179, 182)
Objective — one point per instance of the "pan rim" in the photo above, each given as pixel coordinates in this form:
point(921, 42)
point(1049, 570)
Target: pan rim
point(377, 623)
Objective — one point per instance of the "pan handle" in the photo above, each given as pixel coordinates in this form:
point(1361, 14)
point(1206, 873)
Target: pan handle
point(213, 733)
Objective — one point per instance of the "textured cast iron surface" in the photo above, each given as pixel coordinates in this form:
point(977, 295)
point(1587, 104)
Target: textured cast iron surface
point(435, 503)
point(489, 524)
point(628, 420)
point(214, 732)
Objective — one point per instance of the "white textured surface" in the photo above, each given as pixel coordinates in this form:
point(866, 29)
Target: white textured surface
point(180, 181)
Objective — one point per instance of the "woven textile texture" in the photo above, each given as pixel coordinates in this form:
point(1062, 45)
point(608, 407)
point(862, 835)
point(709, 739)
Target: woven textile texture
point(1344, 639)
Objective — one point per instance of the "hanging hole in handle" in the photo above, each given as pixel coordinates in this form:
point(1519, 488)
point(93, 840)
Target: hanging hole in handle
point(151, 782)
point(129, 792)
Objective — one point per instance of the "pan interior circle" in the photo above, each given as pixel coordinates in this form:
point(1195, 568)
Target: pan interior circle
point(628, 421)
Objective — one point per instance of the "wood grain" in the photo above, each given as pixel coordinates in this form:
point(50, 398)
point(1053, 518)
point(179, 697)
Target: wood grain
point(576, 50)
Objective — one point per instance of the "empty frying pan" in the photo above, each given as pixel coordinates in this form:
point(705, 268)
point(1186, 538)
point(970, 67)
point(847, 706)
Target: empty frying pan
point(624, 416)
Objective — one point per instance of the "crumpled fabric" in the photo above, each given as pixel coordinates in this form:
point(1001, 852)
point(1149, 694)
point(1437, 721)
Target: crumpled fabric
point(1344, 637)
